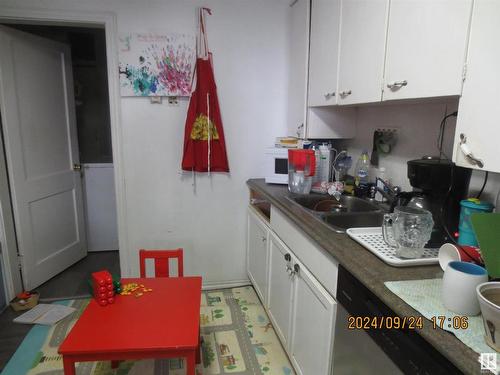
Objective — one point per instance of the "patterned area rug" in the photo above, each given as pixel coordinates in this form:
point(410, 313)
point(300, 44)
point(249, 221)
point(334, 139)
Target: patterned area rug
point(238, 338)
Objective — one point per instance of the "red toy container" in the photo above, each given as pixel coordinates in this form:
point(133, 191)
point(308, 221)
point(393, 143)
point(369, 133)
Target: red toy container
point(102, 285)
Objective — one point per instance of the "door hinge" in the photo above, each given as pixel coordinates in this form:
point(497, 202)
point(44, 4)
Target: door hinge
point(464, 72)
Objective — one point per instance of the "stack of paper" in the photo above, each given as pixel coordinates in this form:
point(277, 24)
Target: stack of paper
point(45, 314)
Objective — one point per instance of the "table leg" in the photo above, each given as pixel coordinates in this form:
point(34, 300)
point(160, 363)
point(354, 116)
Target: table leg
point(69, 366)
point(190, 362)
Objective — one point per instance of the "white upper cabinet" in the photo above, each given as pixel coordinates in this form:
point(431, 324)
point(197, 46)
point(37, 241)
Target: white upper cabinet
point(362, 48)
point(325, 22)
point(481, 92)
point(426, 48)
point(297, 75)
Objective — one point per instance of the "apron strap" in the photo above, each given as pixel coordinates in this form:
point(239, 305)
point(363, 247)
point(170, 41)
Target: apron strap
point(202, 42)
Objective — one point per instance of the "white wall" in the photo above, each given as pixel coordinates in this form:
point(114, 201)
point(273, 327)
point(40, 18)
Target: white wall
point(418, 127)
point(248, 39)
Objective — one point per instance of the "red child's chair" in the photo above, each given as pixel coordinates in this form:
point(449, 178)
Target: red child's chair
point(161, 258)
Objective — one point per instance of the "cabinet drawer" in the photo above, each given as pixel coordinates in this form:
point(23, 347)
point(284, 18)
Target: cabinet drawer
point(321, 264)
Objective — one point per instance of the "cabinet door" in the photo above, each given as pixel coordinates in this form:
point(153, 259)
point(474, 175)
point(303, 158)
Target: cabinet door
point(280, 288)
point(297, 75)
point(312, 325)
point(257, 254)
point(481, 92)
point(426, 48)
point(323, 61)
point(362, 50)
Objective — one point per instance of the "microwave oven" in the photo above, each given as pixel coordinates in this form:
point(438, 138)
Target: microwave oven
point(276, 167)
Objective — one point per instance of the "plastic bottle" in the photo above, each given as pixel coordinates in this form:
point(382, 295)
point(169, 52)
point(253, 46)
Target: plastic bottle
point(362, 170)
point(323, 163)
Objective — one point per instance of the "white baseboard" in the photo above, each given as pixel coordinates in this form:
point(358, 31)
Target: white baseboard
point(226, 284)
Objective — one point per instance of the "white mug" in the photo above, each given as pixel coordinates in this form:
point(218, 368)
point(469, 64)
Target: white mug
point(459, 287)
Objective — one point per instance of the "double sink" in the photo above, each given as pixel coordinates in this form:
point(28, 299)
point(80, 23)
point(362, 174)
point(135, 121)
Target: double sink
point(340, 215)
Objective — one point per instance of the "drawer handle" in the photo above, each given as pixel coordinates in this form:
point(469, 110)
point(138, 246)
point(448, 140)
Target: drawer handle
point(397, 84)
point(468, 153)
point(288, 257)
point(296, 268)
point(345, 93)
point(329, 95)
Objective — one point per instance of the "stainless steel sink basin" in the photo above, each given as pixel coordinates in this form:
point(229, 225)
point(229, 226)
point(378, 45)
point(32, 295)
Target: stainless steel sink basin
point(348, 212)
point(321, 203)
point(340, 223)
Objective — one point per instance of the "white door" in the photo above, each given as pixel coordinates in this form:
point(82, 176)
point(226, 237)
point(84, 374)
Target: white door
point(280, 288)
point(39, 126)
point(297, 75)
point(312, 325)
point(257, 254)
point(100, 206)
point(481, 92)
point(426, 48)
point(324, 52)
point(362, 50)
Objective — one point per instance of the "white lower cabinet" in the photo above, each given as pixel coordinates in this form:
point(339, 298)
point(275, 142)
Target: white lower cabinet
point(257, 253)
point(301, 310)
point(280, 288)
point(311, 346)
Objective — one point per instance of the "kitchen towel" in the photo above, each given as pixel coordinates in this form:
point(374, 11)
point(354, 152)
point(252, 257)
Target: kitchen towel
point(425, 297)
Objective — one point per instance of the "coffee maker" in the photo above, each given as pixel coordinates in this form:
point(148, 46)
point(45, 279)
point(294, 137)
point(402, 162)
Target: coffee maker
point(439, 186)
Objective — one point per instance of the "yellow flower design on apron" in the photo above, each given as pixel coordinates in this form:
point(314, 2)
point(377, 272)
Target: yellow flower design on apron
point(200, 128)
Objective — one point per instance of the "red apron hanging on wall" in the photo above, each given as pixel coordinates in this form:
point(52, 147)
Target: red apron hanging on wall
point(204, 145)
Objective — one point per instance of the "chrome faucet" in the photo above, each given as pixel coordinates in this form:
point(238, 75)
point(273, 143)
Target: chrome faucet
point(390, 193)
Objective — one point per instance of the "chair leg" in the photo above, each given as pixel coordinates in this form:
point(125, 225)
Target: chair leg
point(198, 350)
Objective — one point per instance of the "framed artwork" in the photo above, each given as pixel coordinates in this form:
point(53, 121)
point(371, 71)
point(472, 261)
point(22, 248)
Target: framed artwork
point(156, 64)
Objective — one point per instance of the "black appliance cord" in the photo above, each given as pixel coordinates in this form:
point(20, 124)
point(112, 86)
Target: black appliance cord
point(484, 184)
point(442, 215)
point(441, 134)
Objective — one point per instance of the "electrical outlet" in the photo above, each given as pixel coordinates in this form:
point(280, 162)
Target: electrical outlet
point(173, 101)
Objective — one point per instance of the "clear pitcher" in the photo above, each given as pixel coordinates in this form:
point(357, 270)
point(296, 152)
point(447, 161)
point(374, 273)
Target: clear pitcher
point(408, 229)
point(301, 168)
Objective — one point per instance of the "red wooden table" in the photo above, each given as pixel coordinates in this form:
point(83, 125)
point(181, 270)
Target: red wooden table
point(163, 323)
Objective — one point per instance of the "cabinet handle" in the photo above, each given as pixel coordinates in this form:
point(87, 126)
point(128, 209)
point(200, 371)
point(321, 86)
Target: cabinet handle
point(464, 147)
point(288, 257)
point(296, 268)
point(397, 84)
point(329, 95)
point(264, 239)
point(345, 93)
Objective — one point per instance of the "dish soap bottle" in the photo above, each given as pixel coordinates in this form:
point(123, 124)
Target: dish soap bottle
point(362, 170)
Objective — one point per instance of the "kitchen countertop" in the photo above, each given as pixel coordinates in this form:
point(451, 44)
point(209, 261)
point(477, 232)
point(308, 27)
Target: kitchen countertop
point(372, 272)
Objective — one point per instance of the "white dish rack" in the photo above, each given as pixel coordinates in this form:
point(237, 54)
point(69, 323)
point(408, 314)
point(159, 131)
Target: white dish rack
point(371, 238)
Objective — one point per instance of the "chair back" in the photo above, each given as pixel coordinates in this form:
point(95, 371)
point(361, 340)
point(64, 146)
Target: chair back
point(161, 259)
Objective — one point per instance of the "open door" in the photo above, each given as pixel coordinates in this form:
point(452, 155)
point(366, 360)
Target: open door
point(40, 137)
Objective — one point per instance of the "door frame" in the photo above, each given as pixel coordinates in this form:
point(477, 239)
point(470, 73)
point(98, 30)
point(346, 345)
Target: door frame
point(106, 20)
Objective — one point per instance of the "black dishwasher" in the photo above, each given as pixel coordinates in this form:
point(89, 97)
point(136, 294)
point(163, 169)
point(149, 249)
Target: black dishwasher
point(385, 351)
